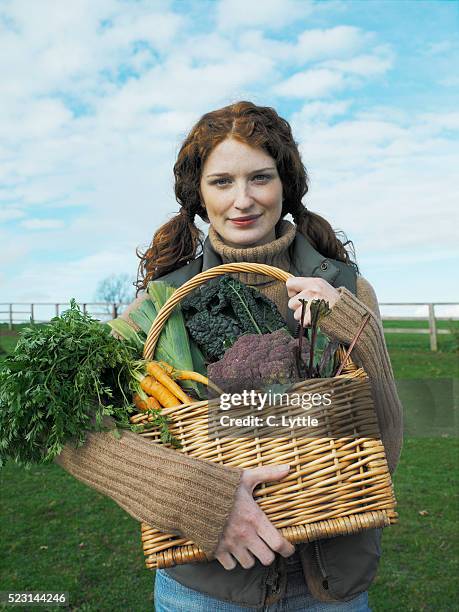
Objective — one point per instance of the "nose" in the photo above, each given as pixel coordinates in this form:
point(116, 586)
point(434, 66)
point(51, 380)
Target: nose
point(243, 198)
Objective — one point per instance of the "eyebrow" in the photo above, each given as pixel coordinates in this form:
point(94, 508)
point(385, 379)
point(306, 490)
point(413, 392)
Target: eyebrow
point(228, 174)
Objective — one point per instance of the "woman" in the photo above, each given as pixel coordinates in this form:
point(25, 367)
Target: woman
point(240, 170)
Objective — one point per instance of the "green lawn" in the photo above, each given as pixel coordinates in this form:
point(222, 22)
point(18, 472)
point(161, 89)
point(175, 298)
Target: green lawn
point(60, 535)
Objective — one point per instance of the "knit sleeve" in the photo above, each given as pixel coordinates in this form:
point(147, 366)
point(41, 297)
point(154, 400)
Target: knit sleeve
point(152, 482)
point(370, 352)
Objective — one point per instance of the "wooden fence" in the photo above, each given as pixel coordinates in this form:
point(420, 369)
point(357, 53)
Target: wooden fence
point(432, 319)
point(12, 313)
point(22, 312)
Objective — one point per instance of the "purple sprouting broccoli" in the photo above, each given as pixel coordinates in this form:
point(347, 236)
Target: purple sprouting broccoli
point(256, 361)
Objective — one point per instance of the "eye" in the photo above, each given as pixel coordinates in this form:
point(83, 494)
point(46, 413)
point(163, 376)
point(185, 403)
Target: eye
point(263, 177)
point(220, 181)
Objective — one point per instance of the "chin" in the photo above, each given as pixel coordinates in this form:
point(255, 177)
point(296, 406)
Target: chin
point(244, 238)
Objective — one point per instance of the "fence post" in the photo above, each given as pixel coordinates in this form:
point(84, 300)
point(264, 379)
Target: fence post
point(432, 328)
point(115, 310)
point(84, 308)
point(31, 314)
point(57, 309)
point(10, 324)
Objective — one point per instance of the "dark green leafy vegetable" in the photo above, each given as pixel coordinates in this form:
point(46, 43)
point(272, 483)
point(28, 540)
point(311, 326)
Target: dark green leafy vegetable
point(220, 311)
point(59, 383)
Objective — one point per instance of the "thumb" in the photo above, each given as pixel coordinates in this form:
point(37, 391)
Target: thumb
point(269, 473)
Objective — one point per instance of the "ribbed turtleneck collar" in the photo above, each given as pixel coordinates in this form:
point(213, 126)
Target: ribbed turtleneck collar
point(274, 253)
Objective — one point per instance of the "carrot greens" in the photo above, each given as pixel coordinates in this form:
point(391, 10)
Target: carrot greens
point(60, 382)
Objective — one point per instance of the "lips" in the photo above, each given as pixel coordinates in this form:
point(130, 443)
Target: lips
point(248, 218)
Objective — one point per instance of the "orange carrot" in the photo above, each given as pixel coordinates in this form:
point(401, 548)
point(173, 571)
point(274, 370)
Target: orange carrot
point(150, 403)
point(139, 403)
point(155, 370)
point(189, 375)
point(153, 404)
point(157, 390)
point(196, 376)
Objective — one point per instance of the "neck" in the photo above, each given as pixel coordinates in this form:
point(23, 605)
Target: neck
point(274, 253)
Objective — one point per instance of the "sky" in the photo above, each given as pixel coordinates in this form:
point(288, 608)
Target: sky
point(96, 98)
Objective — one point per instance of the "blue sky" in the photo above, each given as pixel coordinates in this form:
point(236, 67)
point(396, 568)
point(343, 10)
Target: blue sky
point(97, 99)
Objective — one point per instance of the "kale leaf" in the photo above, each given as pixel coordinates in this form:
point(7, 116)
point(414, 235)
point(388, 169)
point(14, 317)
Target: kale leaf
point(223, 309)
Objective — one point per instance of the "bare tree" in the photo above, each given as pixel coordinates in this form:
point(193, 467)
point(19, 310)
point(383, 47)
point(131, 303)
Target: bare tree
point(115, 289)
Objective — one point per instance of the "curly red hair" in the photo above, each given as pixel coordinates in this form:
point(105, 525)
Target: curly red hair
point(177, 242)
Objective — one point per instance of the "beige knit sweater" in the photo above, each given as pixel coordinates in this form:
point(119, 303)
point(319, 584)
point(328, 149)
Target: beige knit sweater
point(152, 482)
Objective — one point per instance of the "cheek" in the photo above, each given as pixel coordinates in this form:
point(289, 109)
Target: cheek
point(275, 193)
point(216, 203)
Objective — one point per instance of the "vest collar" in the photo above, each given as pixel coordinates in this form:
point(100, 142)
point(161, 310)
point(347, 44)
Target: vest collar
point(305, 260)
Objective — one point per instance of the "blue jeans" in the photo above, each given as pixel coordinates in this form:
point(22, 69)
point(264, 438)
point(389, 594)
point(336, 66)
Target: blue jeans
point(171, 596)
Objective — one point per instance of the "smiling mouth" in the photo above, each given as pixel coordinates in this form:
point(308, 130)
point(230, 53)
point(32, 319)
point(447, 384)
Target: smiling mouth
point(245, 219)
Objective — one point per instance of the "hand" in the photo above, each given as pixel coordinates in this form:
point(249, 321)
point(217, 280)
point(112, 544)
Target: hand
point(248, 531)
point(309, 288)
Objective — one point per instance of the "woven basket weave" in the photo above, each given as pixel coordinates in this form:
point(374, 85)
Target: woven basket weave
point(339, 482)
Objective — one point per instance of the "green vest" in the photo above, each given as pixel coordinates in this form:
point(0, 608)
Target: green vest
point(305, 261)
point(347, 563)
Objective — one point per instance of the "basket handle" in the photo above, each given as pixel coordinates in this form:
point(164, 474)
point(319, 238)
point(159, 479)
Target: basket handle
point(196, 281)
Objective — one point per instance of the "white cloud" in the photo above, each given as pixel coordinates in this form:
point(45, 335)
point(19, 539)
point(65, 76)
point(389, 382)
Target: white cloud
point(58, 282)
point(10, 213)
point(42, 224)
point(311, 46)
point(97, 100)
point(332, 42)
point(156, 28)
point(439, 48)
point(310, 84)
point(440, 121)
point(362, 65)
point(321, 111)
point(72, 51)
point(274, 14)
point(33, 119)
point(385, 179)
point(13, 253)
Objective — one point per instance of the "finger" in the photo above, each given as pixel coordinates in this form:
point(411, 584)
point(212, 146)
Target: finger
point(306, 317)
point(261, 551)
point(268, 473)
point(295, 284)
point(297, 300)
point(273, 538)
point(244, 557)
point(226, 560)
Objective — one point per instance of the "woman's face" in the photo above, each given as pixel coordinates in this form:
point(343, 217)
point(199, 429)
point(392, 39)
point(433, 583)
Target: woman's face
point(241, 182)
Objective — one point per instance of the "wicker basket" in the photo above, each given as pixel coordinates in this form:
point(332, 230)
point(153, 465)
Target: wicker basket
point(338, 483)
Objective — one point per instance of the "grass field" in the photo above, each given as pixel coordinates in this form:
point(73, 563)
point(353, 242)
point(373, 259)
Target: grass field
point(59, 535)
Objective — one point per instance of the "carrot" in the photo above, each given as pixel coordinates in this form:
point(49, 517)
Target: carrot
point(150, 403)
point(139, 403)
point(157, 390)
point(167, 367)
point(153, 404)
point(189, 375)
point(155, 370)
